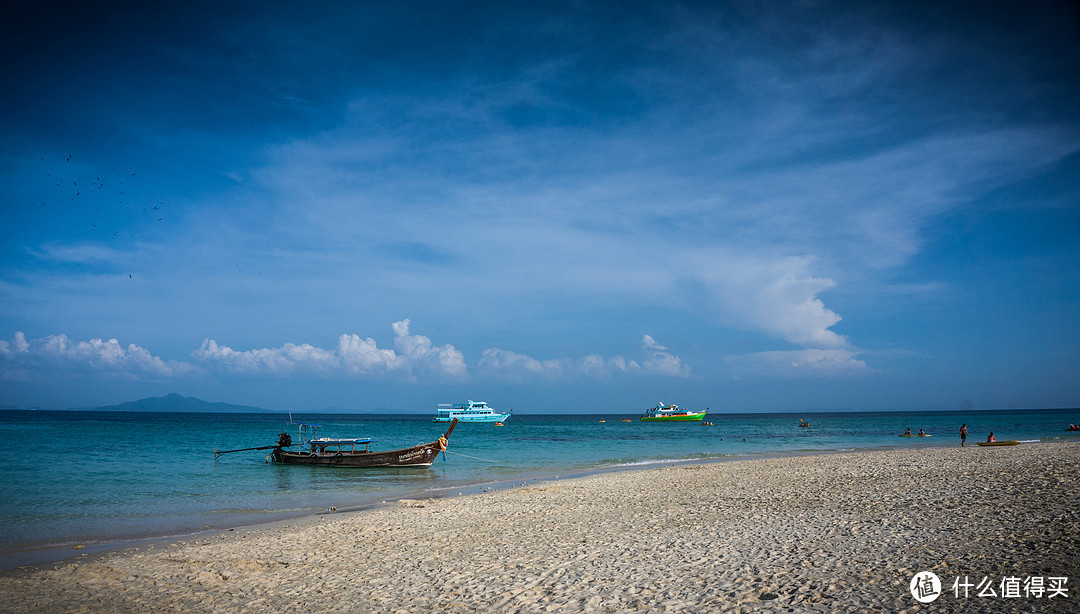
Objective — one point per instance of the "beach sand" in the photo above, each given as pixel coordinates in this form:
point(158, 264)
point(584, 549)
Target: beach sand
point(830, 533)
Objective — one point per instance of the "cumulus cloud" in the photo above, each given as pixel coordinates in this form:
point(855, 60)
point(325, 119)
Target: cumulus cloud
point(518, 367)
point(660, 361)
point(415, 357)
point(18, 346)
point(363, 356)
point(286, 359)
point(353, 356)
point(796, 363)
point(598, 367)
point(778, 296)
point(425, 357)
point(513, 366)
point(20, 357)
point(790, 307)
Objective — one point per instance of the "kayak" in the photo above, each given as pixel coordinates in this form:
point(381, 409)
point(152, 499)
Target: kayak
point(914, 435)
point(1011, 442)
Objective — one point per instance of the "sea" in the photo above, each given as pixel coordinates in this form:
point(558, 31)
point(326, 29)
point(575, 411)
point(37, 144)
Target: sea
point(81, 482)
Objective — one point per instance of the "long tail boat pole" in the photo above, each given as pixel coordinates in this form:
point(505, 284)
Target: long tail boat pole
point(217, 453)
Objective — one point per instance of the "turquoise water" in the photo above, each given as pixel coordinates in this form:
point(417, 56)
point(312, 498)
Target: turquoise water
point(104, 478)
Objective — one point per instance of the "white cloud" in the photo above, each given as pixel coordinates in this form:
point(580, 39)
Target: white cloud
point(598, 367)
point(79, 253)
point(59, 353)
point(513, 366)
point(286, 359)
point(518, 367)
point(779, 297)
point(797, 363)
point(362, 356)
point(790, 307)
point(660, 361)
point(425, 357)
point(416, 357)
point(19, 345)
point(354, 356)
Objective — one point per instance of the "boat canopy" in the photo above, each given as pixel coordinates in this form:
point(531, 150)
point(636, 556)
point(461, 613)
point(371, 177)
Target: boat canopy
point(470, 404)
point(326, 441)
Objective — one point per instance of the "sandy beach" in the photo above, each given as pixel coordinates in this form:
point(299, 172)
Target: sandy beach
point(831, 533)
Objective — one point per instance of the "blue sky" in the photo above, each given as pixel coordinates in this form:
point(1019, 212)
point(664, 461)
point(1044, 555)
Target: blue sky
point(580, 206)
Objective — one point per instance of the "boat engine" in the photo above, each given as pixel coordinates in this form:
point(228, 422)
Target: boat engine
point(284, 440)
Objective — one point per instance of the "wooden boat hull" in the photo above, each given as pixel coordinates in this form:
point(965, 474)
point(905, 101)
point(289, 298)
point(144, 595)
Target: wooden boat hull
point(416, 456)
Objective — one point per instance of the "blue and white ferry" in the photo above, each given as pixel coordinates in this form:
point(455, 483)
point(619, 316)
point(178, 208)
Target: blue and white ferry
point(469, 411)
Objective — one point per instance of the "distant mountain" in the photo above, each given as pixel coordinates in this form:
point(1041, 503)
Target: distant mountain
point(175, 402)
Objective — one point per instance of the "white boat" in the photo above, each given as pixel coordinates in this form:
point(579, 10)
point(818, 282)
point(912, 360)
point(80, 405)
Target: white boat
point(671, 413)
point(469, 411)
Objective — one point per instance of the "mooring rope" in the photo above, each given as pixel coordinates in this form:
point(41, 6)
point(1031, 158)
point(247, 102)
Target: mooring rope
point(472, 457)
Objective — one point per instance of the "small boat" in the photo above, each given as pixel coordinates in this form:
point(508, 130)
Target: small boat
point(706, 424)
point(626, 420)
point(469, 411)
point(334, 452)
point(671, 413)
point(1011, 442)
point(499, 424)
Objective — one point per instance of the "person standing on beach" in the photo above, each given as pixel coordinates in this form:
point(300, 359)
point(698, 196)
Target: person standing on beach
point(963, 434)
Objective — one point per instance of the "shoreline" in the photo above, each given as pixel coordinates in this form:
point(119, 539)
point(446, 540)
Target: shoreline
point(88, 549)
point(828, 532)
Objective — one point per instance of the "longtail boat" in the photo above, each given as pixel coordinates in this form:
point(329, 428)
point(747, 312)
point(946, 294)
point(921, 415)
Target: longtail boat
point(336, 452)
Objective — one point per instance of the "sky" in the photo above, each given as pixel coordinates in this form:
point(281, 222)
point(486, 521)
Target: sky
point(552, 207)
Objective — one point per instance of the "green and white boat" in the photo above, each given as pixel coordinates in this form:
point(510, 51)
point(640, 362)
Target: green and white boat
point(671, 413)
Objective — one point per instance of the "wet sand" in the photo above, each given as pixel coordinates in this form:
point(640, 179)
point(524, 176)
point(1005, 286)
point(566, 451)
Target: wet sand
point(831, 533)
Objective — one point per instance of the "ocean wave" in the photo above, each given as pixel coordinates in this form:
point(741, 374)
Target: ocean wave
point(660, 461)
